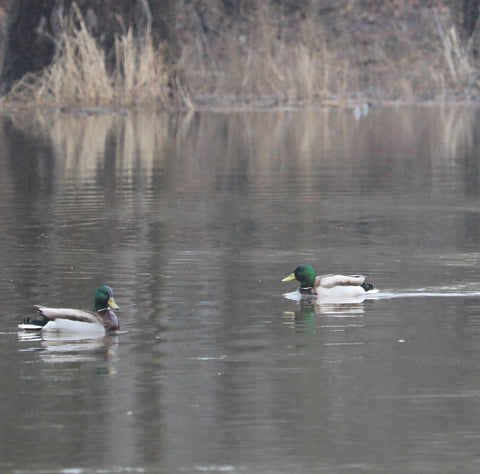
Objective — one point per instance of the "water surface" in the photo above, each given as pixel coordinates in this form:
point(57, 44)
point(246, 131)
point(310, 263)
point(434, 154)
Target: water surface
point(194, 220)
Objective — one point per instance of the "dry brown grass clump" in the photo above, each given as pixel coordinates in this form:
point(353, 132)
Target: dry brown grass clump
point(335, 55)
point(261, 57)
point(264, 56)
point(79, 74)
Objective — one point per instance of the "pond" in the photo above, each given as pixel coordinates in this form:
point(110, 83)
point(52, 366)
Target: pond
point(193, 220)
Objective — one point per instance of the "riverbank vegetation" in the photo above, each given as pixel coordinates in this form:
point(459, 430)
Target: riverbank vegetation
point(264, 55)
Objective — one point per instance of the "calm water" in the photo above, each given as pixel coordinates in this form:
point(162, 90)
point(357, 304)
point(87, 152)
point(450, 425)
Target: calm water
point(193, 220)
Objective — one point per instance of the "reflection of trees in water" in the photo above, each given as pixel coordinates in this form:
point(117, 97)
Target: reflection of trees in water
point(115, 181)
point(225, 152)
point(462, 141)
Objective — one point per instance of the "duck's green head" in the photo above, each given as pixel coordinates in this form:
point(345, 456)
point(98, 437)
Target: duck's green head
point(305, 274)
point(104, 299)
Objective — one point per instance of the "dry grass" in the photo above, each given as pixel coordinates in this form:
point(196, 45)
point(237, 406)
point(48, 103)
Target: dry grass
point(269, 59)
point(79, 75)
point(262, 58)
point(458, 56)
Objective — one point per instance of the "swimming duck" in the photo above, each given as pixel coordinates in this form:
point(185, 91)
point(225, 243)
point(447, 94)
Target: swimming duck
point(339, 286)
point(75, 320)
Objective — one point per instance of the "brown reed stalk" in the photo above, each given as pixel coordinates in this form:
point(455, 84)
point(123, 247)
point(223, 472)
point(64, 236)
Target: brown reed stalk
point(79, 76)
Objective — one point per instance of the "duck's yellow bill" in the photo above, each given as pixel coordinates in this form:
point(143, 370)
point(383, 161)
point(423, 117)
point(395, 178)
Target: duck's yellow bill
point(112, 304)
point(290, 277)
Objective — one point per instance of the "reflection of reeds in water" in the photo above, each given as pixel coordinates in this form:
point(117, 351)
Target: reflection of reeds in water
point(216, 151)
point(89, 142)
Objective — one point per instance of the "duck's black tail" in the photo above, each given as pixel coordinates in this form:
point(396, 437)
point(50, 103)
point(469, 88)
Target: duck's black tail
point(367, 286)
point(36, 322)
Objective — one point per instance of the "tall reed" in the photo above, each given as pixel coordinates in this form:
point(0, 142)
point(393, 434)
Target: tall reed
point(262, 57)
point(266, 57)
point(79, 76)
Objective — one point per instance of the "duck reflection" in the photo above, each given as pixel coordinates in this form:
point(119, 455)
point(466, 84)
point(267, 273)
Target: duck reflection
point(309, 306)
point(56, 347)
point(326, 305)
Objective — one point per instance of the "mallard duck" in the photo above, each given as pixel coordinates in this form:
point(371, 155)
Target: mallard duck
point(75, 320)
point(338, 286)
